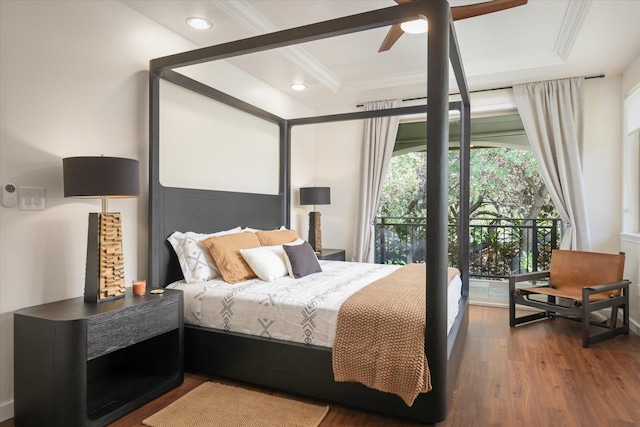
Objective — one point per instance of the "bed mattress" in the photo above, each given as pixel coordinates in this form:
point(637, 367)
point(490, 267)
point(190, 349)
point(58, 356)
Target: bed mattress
point(300, 310)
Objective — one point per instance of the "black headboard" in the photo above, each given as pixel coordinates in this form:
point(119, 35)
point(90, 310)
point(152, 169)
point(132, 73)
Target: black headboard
point(204, 211)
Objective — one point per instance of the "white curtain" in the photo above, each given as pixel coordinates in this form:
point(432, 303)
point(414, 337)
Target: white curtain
point(553, 113)
point(377, 147)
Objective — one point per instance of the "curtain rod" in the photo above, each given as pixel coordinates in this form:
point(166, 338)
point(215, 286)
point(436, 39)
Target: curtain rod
point(599, 76)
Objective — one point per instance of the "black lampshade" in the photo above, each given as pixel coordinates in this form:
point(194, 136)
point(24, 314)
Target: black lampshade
point(315, 196)
point(101, 177)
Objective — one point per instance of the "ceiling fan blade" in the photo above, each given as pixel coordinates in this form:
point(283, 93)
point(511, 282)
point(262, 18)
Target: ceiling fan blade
point(394, 32)
point(471, 10)
point(392, 36)
point(457, 12)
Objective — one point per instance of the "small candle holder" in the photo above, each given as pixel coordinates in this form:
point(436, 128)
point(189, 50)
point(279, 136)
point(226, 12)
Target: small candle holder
point(139, 287)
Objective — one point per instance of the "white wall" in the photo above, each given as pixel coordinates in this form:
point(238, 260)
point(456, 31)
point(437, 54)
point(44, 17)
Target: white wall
point(303, 174)
point(337, 157)
point(631, 158)
point(198, 136)
point(630, 236)
point(602, 161)
point(74, 79)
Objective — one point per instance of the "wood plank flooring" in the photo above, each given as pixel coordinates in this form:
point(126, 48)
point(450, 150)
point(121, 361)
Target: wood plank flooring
point(533, 375)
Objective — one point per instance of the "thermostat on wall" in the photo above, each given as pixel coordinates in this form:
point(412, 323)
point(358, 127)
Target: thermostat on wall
point(9, 195)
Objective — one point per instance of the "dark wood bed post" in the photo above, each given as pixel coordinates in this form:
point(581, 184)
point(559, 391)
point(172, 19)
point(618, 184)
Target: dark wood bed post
point(285, 171)
point(463, 215)
point(156, 255)
point(437, 192)
point(464, 106)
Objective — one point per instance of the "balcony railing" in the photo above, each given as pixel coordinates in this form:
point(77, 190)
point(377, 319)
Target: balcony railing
point(498, 247)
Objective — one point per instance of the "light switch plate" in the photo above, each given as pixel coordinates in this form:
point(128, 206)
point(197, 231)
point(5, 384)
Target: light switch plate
point(31, 198)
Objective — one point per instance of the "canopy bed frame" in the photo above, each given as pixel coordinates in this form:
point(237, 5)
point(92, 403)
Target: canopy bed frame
point(299, 368)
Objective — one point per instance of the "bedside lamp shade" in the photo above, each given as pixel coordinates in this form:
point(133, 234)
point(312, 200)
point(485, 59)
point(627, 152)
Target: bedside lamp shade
point(315, 196)
point(102, 178)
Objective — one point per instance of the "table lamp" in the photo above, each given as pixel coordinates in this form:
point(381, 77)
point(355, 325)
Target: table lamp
point(102, 178)
point(315, 196)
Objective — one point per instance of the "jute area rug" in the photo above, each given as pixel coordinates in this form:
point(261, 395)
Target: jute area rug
point(213, 404)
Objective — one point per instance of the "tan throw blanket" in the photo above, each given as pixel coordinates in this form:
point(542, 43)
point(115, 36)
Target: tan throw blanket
point(380, 335)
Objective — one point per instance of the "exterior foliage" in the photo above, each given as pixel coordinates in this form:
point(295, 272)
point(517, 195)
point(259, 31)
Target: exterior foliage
point(504, 183)
point(513, 221)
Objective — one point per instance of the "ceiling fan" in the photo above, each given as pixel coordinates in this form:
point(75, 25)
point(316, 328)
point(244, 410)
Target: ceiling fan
point(457, 12)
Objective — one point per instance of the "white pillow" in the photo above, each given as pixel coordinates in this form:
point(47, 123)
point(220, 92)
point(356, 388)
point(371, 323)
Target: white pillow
point(195, 260)
point(253, 230)
point(267, 262)
point(295, 242)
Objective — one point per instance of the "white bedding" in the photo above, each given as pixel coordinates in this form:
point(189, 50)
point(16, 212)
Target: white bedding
point(302, 310)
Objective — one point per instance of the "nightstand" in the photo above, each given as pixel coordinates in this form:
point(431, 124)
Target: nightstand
point(331, 255)
point(87, 364)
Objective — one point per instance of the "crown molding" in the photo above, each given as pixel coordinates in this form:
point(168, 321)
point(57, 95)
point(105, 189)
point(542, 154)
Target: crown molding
point(387, 82)
point(542, 59)
point(258, 24)
point(571, 25)
point(471, 70)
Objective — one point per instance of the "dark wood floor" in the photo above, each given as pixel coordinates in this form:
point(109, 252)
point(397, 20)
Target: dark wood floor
point(534, 375)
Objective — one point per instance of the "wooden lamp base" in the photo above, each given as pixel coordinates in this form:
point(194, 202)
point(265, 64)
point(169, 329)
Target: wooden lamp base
point(315, 235)
point(104, 278)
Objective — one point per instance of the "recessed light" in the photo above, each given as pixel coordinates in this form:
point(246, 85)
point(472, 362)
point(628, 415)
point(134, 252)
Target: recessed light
point(199, 23)
point(418, 26)
point(298, 86)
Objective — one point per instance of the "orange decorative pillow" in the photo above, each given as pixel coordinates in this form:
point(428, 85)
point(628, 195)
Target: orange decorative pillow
point(225, 251)
point(279, 237)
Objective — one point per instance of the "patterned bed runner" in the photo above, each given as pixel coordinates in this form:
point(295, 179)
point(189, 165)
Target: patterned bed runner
point(380, 335)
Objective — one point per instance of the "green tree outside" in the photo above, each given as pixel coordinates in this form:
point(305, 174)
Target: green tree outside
point(505, 183)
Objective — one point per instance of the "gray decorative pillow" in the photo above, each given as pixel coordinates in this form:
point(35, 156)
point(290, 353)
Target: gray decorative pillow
point(301, 260)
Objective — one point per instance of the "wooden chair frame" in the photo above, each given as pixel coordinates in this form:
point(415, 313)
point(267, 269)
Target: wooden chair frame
point(574, 310)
